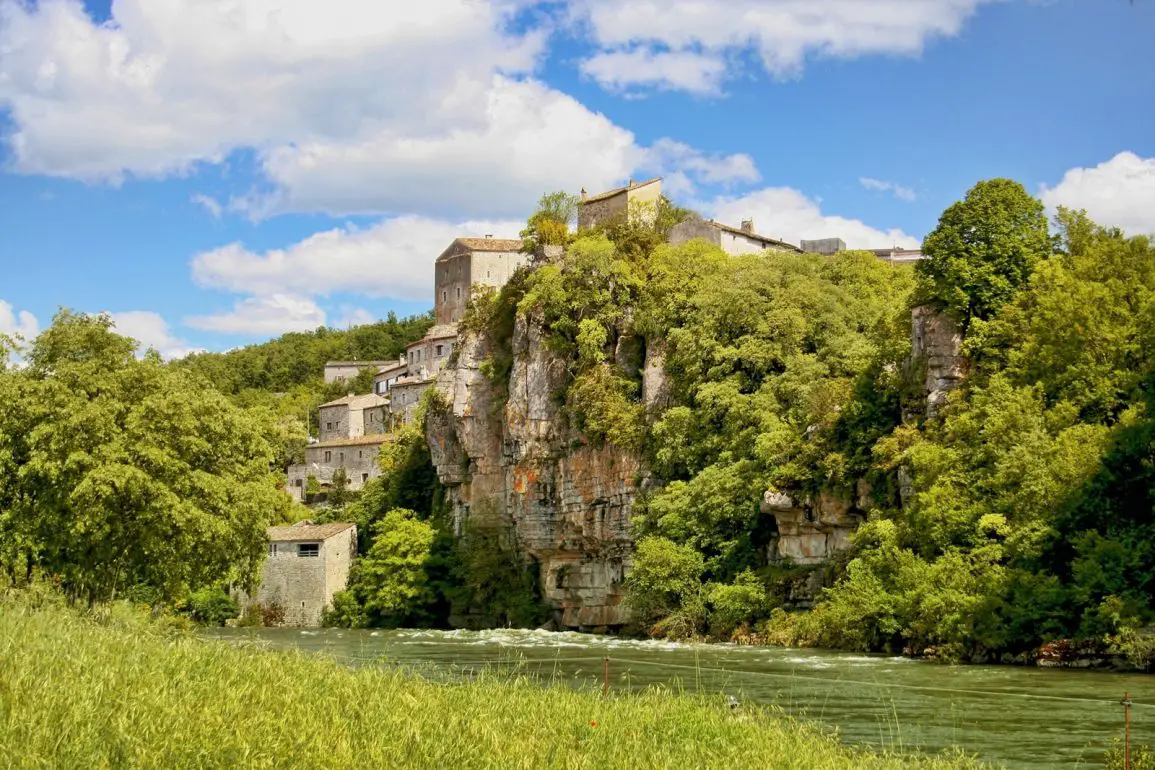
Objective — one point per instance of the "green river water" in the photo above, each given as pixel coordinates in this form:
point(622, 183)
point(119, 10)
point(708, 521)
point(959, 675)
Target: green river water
point(1018, 717)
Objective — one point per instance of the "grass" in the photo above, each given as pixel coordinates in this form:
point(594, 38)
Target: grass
point(118, 690)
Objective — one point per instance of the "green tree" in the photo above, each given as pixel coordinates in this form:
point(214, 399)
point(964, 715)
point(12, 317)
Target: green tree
point(664, 577)
point(122, 472)
point(391, 581)
point(550, 224)
point(339, 494)
point(984, 250)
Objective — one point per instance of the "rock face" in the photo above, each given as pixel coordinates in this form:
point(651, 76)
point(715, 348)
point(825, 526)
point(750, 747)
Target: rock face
point(812, 531)
point(937, 339)
point(516, 466)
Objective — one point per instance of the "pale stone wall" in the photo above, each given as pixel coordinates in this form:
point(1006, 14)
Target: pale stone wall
point(297, 478)
point(451, 287)
point(404, 398)
point(304, 585)
point(495, 268)
point(376, 420)
point(428, 355)
point(358, 460)
point(338, 422)
point(594, 213)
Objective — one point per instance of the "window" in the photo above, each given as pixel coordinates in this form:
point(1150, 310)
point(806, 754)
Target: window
point(364, 477)
point(328, 455)
point(272, 549)
point(360, 454)
point(440, 350)
point(328, 426)
point(342, 457)
point(308, 549)
point(444, 295)
point(298, 482)
point(459, 292)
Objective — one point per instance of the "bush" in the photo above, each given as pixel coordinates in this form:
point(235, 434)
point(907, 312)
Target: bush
point(212, 606)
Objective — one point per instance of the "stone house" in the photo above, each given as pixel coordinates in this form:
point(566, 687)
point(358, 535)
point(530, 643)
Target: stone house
point(469, 262)
point(732, 240)
point(358, 456)
point(427, 356)
point(345, 417)
point(389, 374)
point(336, 371)
point(614, 204)
point(899, 256)
point(405, 396)
point(307, 563)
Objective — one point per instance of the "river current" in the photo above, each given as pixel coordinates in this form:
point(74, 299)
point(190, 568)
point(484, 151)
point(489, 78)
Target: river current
point(1017, 717)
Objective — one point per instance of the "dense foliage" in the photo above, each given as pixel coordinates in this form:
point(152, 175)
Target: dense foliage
point(1020, 515)
point(121, 474)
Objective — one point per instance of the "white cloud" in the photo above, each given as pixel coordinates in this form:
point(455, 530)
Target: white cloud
point(787, 214)
point(151, 331)
point(636, 36)
point(353, 106)
point(266, 315)
point(1116, 193)
point(897, 190)
point(392, 259)
point(689, 71)
point(20, 326)
point(210, 204)
point(354, 316)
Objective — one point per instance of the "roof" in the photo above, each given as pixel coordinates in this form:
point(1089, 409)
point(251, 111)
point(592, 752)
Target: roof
point(363, 401)
point(372, 438)
point(480, 244)
point(755, 236)
point(896, 252)
point(439, 332)
point(398, 366)
point(411, 380)
point(362, 364)
point(620, 190)
point(305, 530)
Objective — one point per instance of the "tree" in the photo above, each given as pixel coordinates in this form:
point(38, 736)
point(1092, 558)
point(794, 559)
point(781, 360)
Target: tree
point(391, 580)
point(550, 224)
point(339, 493)
point(120, 472)
point(984, 250)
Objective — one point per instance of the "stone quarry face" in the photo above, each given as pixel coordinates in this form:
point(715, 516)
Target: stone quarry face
point(567, 505)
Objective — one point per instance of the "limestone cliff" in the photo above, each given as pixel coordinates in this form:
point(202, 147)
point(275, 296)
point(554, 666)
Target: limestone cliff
point(516, 465)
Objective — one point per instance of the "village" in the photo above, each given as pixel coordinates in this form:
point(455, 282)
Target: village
point(352, 429)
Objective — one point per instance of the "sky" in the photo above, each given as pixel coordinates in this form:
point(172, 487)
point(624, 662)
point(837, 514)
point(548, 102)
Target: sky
point(214, 173)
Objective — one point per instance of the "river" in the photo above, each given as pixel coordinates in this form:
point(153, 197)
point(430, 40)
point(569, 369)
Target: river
point(1019, 717)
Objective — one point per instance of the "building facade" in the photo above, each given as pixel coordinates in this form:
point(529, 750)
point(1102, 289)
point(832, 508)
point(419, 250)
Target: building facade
point(345, 417)
point(732, 240)
point(336, 371)
point(616, 204)
point(469, 262)
point(389, 374)
point(306, 564)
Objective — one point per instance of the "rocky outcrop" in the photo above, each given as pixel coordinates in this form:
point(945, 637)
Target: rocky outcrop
point(937, 340)
point(812, 531)
point(515, 465)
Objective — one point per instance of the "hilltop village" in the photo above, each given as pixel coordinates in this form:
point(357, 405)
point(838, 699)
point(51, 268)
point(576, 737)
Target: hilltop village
point(352, 429)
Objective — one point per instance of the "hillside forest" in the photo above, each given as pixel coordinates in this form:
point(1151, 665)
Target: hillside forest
point(1021, 513)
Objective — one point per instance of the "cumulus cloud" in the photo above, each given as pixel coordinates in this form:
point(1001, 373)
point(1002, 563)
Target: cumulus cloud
point(353, 106)
point(1119, 192)
point(209, 204)
point(266, 315)
point(681, 42)
point(15, 323)
point(151, 331)
point(689, 71)
point(897, 190)
point(787, 214)
point(392, 259)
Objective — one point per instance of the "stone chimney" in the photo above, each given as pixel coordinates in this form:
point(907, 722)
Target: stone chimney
point(489, 235)
point(748, 226)
point(633, 184)
point(584, 194)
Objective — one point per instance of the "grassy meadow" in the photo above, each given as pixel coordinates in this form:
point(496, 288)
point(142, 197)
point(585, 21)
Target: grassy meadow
point(115, 689)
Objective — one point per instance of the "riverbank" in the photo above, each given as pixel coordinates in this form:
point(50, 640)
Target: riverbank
point(77, 691)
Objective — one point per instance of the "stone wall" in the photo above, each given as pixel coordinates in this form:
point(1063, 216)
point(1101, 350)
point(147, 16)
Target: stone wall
point(451, 287)
point(358, 459)
point(812, 531)
point(565, 504)
point(304, 586)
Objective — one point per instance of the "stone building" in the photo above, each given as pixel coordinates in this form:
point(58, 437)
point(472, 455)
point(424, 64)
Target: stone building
point(428, 355)
point(405, 396)
point(336, 371)
point(732, 240)
point(469, 262)
point(307, 563)
point(358, 457)
point(345, 417)
point(613, 204)
point(826, 246)
point(898, 256)
point(389, 374)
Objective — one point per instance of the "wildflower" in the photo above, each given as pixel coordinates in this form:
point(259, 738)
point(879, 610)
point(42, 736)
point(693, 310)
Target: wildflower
point(593, 724)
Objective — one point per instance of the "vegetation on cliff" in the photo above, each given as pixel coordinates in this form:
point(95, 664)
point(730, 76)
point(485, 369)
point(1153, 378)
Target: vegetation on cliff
point(1020, 514)
point(117, 690)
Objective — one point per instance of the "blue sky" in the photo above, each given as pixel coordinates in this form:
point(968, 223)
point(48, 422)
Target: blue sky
point(215, 173)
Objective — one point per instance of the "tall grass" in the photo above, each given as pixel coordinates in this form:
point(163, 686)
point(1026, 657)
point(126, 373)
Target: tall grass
point(123, 691)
